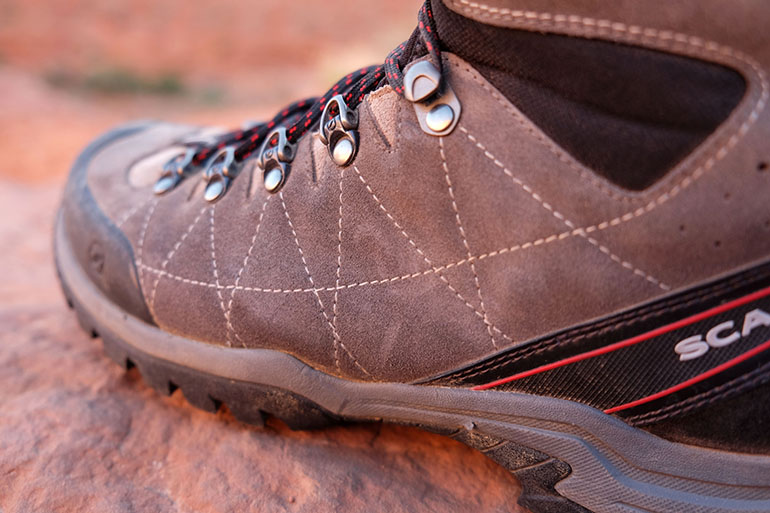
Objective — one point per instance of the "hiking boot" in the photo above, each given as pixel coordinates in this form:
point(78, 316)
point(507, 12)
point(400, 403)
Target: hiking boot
point(540, 227)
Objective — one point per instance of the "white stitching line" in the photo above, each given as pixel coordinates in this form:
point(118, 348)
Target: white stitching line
point(592, 24)
point(228, 315)
point(339, 271)
point(317, 295)
point(385, 281)
point(170, 255)
point(604, 225)
point(683, 184)
point(127, 215)
point(550, 145)
point(503, 251)
point(465, 239)
point(424, 256)
point(558, 215)
point(627, 265)
point(636, 33)
point(216, 272)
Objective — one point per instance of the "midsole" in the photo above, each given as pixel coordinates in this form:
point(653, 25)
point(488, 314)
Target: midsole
point(605, 454)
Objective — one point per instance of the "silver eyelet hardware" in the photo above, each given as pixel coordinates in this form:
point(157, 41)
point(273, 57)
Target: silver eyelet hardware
point(275, 160)
point(436, 105)
point(174, 171)
point(338, 131)
point(220, 172)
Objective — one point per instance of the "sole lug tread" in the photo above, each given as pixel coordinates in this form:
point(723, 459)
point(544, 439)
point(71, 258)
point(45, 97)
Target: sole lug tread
point(250, 403)
point(199, 397)
point(155, 376)
point(537, 472)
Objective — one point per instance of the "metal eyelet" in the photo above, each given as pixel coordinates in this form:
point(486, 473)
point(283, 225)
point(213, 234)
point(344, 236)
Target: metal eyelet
point(174, 171)
point(338, 131)
point(275, 160)
point(219, 174)
point(436, 105)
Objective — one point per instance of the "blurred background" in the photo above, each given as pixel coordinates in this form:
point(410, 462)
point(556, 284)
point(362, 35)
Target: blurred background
point(70, 69)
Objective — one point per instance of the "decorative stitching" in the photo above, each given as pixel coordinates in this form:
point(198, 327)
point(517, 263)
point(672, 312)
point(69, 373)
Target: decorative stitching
point(216, 273)
point(384, 281)
point(558, 215)
point(550, 145)
point(465, 239)
point(437, 271)
point(627, 265)
point(591, 25)
point(638, 34)
point(170, 255)
point(630, 32)
point(433, 270)
point(230, 327)
point(317, 295)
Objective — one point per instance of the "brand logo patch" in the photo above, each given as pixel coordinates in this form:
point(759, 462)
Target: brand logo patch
point(721, 335)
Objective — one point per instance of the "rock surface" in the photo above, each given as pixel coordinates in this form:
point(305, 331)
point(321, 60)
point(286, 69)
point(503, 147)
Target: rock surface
point(77, 434)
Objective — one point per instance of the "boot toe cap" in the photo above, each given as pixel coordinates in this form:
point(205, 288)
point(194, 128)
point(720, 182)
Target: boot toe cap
point(103, 191)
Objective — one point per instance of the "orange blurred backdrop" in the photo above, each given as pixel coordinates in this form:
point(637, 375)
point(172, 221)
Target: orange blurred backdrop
point(70, 69)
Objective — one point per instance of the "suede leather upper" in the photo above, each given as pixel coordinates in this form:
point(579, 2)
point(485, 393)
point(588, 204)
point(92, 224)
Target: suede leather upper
point(429, 253)
point(101, 249)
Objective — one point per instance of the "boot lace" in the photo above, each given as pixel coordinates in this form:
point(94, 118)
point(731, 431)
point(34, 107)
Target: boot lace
point(300, 117)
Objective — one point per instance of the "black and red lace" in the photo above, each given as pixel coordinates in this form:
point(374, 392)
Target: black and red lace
point(300, 117)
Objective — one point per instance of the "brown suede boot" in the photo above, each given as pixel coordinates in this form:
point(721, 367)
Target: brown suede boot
point(542, 227)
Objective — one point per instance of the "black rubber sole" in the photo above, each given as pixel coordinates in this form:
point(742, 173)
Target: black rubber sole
point(251, 403)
